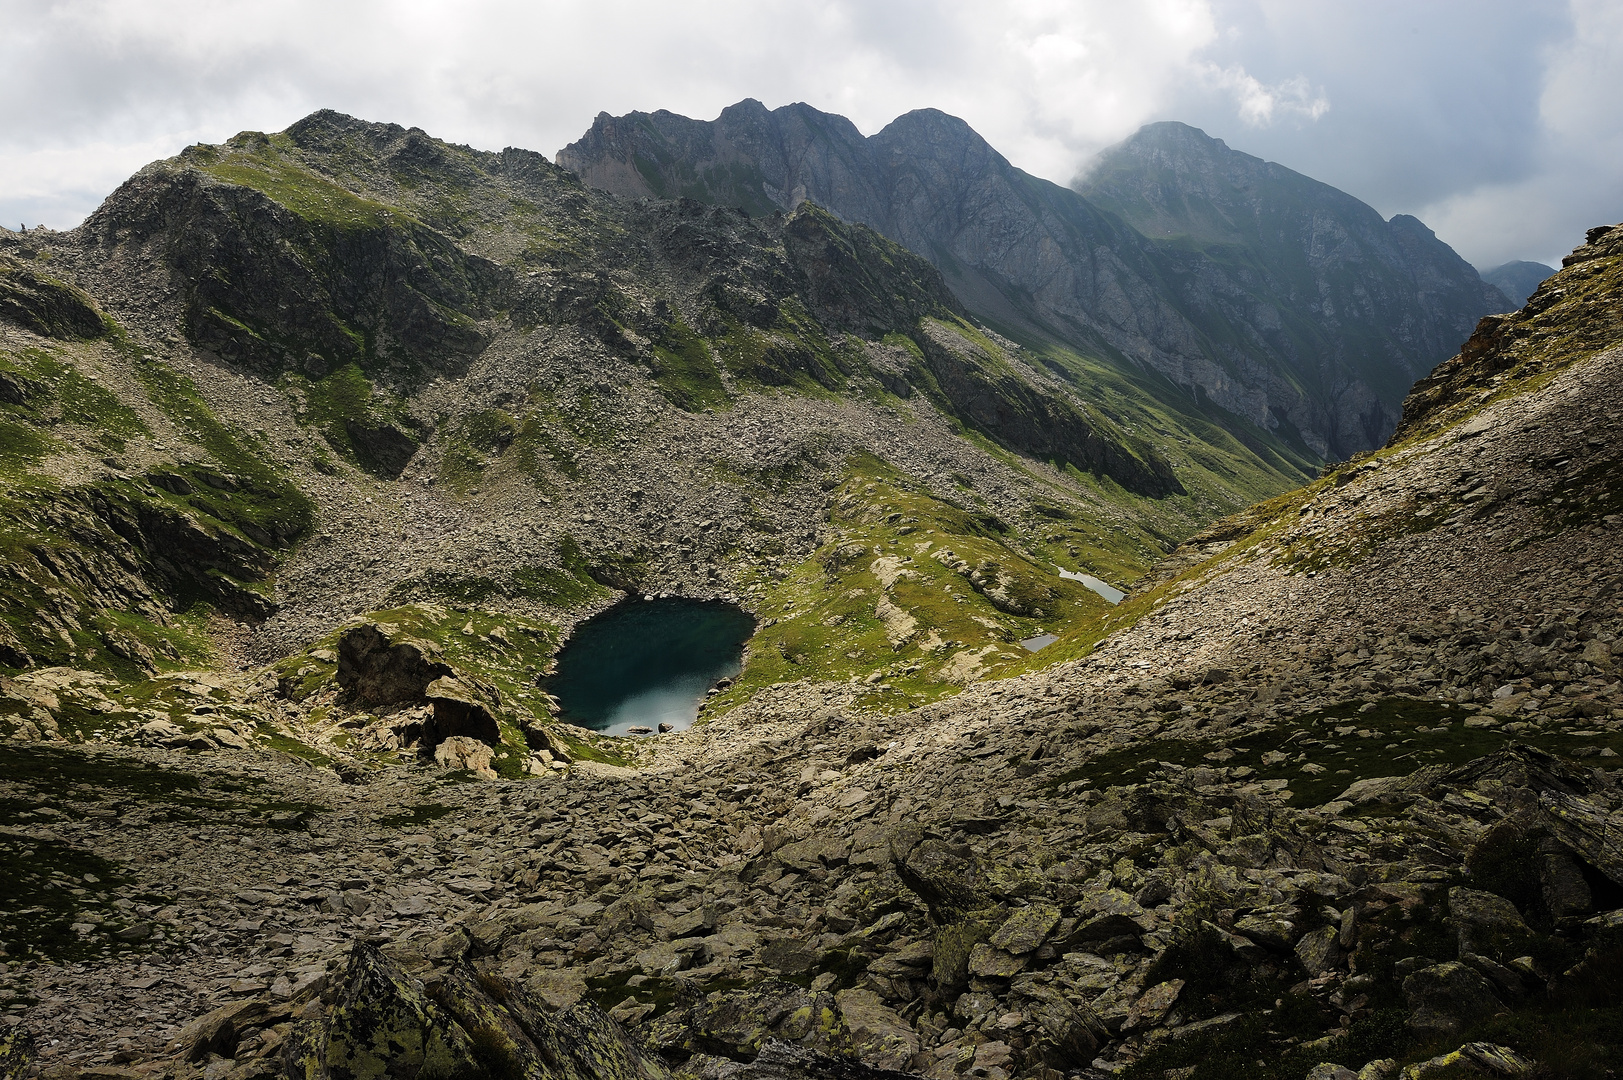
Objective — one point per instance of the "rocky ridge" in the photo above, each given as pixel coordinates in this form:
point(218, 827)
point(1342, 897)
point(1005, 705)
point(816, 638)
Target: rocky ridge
point(1284, 301)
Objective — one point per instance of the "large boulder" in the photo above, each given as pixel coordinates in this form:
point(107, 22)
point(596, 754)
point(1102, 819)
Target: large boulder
point(877, 1034)
point(1319, 951)
point(1486, 924)
point(385, 1023)
point(461, 708)
point(1026, 928)
point(947, 877)
point(459, 752)
point(1584, 829)
point(378, 666)
point(1447, 998)
point(1067, 1032)
point(737, 1024)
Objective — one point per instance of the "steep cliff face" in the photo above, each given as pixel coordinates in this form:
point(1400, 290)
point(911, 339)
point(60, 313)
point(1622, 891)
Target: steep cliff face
point(1028, 256)
point(1286, 302)
point(1347, 307)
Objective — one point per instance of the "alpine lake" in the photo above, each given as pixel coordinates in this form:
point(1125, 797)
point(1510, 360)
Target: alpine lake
point(646, 663)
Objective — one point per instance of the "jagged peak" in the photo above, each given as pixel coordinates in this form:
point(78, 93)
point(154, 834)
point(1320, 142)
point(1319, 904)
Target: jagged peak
point(1412, 224)
point(329, 122)
point(748, 105)
point(1167, 132)
point(933, 133)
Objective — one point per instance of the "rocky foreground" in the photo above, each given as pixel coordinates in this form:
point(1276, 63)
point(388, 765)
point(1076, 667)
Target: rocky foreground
point(1340, 799)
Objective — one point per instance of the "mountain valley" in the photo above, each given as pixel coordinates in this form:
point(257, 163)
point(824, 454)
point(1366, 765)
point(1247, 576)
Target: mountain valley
point(319, 444)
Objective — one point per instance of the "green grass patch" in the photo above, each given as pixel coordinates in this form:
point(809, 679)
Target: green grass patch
point(410, 816)
point(312, 196)
point(272, 739)
point(264, 505)
point(685, 369)
point(914, 593)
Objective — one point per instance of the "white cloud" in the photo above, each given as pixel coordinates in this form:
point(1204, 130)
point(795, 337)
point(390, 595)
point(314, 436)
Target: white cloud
point(1259, 104)
point(1577, 181)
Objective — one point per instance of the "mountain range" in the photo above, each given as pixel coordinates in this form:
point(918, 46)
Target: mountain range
point(1280, 299)
point(319, 445)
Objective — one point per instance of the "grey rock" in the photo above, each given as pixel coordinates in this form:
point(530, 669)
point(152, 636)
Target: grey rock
point(1025, 929)
point(1331, 1071)
point(1448, 997)
point(1318, 951)
point(1486, 923)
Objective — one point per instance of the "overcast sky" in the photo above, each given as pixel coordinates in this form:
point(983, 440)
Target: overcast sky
point(1497, 123)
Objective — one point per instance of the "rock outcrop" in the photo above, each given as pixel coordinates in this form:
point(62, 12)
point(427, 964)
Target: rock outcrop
point(380, 666)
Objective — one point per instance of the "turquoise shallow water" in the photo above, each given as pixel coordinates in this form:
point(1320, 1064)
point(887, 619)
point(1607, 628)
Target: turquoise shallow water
point(647, 662)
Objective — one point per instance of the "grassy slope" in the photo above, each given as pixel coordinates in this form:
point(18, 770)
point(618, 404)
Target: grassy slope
point(70, 419)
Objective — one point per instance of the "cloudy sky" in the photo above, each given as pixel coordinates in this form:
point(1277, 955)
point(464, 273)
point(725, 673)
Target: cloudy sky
point(1498, 123)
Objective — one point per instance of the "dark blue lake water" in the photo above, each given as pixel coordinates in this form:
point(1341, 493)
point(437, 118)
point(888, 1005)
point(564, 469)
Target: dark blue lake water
point(647, 662)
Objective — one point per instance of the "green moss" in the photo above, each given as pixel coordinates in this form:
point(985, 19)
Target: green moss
point(685, 370)
point(568, 587)
point(58, 392)
point(273, 739)
point(1404, 734)
point(444, 585)
point(263, 506)
point(940, 624)
point(412, 816)
point(569, 584)
point(20, 445)
point(601, 751)
point(367, 426)
point(792, 354)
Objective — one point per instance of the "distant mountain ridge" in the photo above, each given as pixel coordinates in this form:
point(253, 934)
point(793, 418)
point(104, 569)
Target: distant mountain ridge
point(1517, 280)
point(1357, 307)
point(1315, 331)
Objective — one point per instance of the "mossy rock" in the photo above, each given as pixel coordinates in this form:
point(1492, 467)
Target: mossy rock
point(50, 308)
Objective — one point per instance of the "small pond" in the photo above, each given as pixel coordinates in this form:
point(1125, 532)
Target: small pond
point(643, 663)
point(1104, 589)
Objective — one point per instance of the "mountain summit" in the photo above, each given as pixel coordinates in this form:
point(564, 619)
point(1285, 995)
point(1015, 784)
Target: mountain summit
point(1353, 307)
point(1307, 315)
